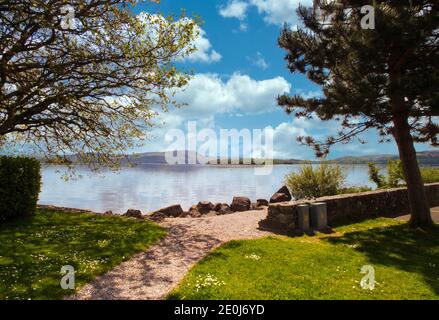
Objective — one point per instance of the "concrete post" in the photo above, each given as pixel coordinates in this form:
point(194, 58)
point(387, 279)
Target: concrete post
point(303, 213)
point(318, 215)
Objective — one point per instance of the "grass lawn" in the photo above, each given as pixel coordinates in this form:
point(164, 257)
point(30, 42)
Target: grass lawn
point(325, 266)
point(33, 250)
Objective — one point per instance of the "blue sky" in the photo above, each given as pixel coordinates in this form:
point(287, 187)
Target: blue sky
point(239, 71)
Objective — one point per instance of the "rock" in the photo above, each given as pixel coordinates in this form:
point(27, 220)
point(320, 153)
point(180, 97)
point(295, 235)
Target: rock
point(195, 213)
point(184, 214)
point(156, 216)
point(210, 214)
point(261, 203)
point(108, 213)
point(255, 206)
point(221, 207)
point(171, 211)
point(240, 204)
point(224, 209)
point(285, 190)
point(204, 207)
point(276, 197)
point(133, 213)
point(279, 197)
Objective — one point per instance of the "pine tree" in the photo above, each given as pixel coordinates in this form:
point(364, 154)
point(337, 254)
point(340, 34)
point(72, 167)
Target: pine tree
point(386, 77)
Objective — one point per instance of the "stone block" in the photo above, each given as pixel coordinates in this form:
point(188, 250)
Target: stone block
point(318, 215)
point(303, 215)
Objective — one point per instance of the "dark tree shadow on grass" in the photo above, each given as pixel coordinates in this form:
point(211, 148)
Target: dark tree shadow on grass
point(415, 251)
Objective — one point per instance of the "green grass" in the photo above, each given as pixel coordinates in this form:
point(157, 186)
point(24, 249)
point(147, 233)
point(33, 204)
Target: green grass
point(33, 250)
point(326, 266)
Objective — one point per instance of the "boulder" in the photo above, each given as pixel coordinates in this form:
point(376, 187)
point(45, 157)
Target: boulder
point(261, 203)
point(156, 216)
point(133, 213)
point(218, 206)
point(195, 213)
point(224, 208)
point(204, 207)
point(171, 211)
point(184, 214)
point(240, 204)
point(284, 190)
point(255, 206)
point(210, 214)
point(108, 213)
point(279, 197)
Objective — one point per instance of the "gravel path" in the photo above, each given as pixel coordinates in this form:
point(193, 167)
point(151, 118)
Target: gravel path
point(154, 273)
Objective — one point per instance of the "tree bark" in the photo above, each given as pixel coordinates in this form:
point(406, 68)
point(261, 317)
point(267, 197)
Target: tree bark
point(419, 205)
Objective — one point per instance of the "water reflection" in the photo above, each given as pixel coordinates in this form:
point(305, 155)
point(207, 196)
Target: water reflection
point(149, 187)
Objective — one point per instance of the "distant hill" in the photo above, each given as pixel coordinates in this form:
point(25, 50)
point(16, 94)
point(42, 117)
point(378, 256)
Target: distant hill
point(425, 158)
point(157, 157)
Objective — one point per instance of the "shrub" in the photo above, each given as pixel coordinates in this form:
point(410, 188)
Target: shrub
point(375, 176)
point(430, 175)
point(323, 180)
point(354, 189)
point(395, 175)
point(20, 183)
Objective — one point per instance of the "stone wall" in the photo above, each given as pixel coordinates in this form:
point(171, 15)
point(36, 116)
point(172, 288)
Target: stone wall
point(348, 207)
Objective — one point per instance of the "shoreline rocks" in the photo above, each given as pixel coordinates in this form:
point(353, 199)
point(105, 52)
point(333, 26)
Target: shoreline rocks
point(201, 209)
point(261, 202)
point(133, 213)
point(223, 208)
point(204, 207)
point(281, 195)
point(240, 204)
point(172, 211)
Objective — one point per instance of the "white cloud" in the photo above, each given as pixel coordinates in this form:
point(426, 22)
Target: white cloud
point(285, 144)
point(208, 94)
point(258, 61)
point(205, 53)
point(279, 11)
point(243, 26)
point(234, 9)
point(309, 94)
point(275, 12)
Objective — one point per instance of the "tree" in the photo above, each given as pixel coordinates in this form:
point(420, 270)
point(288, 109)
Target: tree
point(385, 78)
point(86, 78)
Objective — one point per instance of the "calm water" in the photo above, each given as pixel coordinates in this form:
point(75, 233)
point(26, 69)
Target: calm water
point(151, 187)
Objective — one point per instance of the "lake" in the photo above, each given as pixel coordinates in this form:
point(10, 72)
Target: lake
point(150, 187)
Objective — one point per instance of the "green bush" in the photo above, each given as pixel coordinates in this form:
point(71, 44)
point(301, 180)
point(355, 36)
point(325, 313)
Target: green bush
point(312, 182)
point(375, 176)
point(354, 189)
point(20, 183)
point(395, 175)
point(430, 175)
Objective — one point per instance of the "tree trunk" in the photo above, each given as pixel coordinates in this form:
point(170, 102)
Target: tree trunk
point(419, 205)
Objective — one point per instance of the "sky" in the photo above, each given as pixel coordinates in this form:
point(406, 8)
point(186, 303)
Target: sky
point(239, 70)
